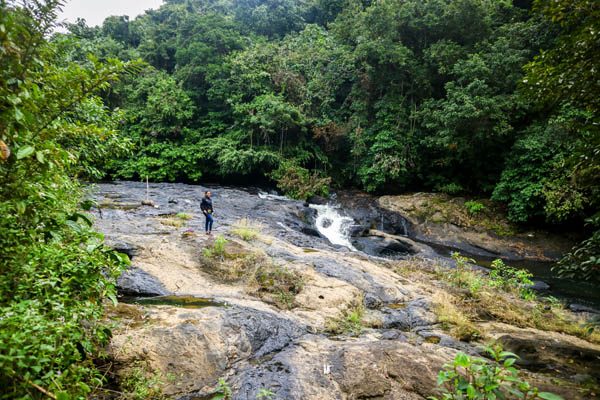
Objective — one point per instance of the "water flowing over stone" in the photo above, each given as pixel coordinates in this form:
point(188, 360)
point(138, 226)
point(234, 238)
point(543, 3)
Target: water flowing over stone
point(333, 225)
point(234, 333)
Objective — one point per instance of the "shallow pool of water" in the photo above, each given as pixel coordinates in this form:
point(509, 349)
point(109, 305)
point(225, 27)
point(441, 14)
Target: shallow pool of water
point(176, 301)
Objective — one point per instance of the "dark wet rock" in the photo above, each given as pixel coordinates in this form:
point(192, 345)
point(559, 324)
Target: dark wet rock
point(357, 230)
point(444, 340)
point(580, 308)
point(265, 332)
point(383, 247)
point(416, 314)
point(378, 243)
point(309, 230)
point(372, 302)
point(320, 200)
point(394, 334)
point(548, 354)
point(172, 201)
point(137, 282)
point(539, 286)
point(327, 223)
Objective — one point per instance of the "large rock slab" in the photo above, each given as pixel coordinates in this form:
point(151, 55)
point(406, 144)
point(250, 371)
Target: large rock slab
point(199, 346)
point(137, 282)
point(316, 368)
point(439, 219)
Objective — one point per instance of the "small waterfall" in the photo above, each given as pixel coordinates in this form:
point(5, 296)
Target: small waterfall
point(404, 227)
point(333, 225)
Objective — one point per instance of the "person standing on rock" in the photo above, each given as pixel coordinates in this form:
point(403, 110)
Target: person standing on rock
point(207, 209)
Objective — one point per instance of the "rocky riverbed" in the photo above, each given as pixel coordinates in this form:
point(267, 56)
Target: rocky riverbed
point(228, 322)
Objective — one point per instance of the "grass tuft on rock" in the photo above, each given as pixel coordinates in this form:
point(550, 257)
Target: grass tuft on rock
point(350, 320)
point(452, 318)
point(278, 284)
point(246, 229)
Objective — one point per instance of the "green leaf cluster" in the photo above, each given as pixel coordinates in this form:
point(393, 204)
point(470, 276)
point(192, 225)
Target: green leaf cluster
point(54, 270)
point(474, 378)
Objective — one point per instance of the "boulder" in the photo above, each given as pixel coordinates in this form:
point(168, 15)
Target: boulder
point(137, 282)
point(124, 247)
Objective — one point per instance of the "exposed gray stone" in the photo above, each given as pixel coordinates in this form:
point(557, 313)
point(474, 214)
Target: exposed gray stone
point(137, 282)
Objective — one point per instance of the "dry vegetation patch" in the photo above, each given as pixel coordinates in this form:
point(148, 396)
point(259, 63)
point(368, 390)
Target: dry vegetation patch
point(230, 261)
point(277, 284)
point(466, 297)
point(247, 229)
point(175, 220)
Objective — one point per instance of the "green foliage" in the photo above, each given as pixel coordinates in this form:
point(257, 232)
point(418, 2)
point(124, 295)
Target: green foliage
point(217, 249)
point(508, 279)
point(349, 322)
point(464, 276)
point(502, 277)
point(223, 391)
point(476, 378)
point(562, 75)
point(451, 188)
point(266, 394)
point(583, 262)
point(563, 72)
point(55, 271)
point(298, 183)
point(474, 207)
point(139, 383)
point(183, 216)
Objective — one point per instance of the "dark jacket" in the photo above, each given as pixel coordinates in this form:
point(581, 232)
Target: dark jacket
point(206, 205)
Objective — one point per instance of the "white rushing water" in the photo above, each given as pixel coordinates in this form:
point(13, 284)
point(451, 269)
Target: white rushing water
point(333, 225)
point(270, 196)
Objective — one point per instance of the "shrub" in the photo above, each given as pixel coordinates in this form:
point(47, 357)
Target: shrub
point(55, 272)
point(463, 276)
point(223, 391)
point(511, 279)
point(474, 207)
point(476, 378)
point(583, 261)
point(174, 222)
point(140, 383)
point(266, 394)
point(298, 183)
point(450, 188)
point(217, 250)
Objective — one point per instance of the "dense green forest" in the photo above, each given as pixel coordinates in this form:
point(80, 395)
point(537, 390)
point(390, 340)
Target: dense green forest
point(472, 97)
point(487, 98)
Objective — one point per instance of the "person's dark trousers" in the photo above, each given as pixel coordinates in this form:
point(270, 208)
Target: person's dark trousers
point(209, 222)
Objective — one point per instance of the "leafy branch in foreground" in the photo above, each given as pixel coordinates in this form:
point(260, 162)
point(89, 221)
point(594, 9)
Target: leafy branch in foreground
point(475, 378)
point(55, 272)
